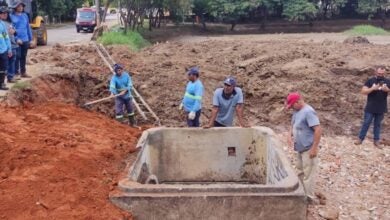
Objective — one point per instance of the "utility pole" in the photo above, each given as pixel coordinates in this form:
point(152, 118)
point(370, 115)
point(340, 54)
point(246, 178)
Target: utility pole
point(97, 4)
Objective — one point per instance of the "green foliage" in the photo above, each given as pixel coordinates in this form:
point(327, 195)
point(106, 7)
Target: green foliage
point(366, 30)
point(20, 85)
point(296, 10)
point(133, 39)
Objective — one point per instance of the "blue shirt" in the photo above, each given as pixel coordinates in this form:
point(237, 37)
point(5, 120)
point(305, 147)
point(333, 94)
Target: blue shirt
point(192, 100)
point(5, 43)
point(22, 26)
point(302, 123)
point(227, 107)
point(121, 83)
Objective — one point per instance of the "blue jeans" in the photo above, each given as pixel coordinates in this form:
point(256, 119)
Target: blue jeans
point(11, 65)
point(21, 58)
point(368, 118)
point(195, 122)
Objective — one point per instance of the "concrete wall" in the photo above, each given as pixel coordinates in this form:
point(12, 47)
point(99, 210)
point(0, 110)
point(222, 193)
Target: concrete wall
point(175, 154)
point(198, 155)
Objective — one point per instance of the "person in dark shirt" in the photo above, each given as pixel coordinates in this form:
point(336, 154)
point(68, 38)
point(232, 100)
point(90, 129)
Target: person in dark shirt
point(376, 88)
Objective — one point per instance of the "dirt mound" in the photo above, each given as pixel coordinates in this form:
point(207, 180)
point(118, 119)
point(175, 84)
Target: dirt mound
point(356, 40)
point(60, 162)
point(330, 78)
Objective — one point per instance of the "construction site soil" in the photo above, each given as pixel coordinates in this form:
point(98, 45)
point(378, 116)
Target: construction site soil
point(59, 161)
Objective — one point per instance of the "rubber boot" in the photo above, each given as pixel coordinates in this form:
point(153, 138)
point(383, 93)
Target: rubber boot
point(132, 120)
point(2, 84)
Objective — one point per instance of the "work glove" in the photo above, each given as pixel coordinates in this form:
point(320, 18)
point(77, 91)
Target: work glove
point(191, 115)
point(181, 106)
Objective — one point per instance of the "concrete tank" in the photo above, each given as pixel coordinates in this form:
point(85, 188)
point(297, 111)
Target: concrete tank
point(218, 173)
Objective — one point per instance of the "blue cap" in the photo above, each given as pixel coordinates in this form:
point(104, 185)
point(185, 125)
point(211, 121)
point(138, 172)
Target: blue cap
point(17, 3)
point(230, 81)
point(193, 70)
point(117, 66)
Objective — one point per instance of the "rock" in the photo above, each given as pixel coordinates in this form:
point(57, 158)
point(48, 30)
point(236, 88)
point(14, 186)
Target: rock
point(329, 213)
point(91, 61)
point(356, 40)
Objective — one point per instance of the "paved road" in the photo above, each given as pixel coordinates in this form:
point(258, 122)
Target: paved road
point(68, 33)
point(64, 35)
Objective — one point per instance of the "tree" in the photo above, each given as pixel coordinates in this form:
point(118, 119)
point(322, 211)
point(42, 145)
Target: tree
point(201, 8)
point(231, 11)
point(298, 10)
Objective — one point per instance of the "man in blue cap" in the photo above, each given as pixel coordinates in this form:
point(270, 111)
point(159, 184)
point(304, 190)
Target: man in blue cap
point(227, 101)
point(192, 101)
point(121, 84)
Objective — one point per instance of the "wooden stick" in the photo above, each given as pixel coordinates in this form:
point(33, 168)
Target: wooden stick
point(101, 100)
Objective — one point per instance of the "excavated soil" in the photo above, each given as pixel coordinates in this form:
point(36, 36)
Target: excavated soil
point(66, 159)
point(58, 161)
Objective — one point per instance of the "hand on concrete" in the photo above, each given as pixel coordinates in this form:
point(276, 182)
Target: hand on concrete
point(181, 106)
point(208, 126)
point(191, 115)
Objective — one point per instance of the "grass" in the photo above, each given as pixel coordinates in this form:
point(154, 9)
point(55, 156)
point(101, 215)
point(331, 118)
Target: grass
point(133, 39)
point(366, 30)
point(20, 85)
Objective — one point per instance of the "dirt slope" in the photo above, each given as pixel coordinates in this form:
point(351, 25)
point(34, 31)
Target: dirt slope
point(60, 162)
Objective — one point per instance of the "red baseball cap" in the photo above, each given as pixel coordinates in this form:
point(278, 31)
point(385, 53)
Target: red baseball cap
point(292, 98)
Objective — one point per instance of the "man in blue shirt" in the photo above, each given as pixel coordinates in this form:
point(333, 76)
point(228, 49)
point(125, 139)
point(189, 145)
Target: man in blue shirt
point(5, 49)
point(121, 85)
point(20, 21)
point(192, 101)
point(305, 135)
point(227, 101)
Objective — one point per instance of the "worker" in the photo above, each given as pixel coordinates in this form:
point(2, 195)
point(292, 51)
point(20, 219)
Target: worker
point(20, 21)
point(11, 33)
point(5, 49)
point(121, 85)
point(227, 101)
point(304, 137)
point(192, 101)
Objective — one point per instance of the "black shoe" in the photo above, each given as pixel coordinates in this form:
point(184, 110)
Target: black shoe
point(11, 81)
point(24, 75)
point(3, 87)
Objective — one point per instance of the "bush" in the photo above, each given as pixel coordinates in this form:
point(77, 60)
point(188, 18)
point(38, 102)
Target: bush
point(133, 39)
point(366, 30)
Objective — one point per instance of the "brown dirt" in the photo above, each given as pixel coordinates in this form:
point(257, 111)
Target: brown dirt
point(63, 157)
point(328, 74)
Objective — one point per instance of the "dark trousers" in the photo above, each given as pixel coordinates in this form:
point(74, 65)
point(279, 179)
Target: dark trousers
point(11, 65)
point(217, 124)
point(3, 66)
point(21, 57)
point(195, 122)
point(368, 118)
point(120, 104)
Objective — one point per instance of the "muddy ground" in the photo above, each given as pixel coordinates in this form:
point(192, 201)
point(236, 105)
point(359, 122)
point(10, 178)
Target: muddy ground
point(354, 179)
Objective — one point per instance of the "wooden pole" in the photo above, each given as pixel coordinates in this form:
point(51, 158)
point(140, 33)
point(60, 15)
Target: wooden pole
point(97, 4)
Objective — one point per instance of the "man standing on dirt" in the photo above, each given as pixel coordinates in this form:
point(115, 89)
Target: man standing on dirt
point(226, 101)
point(121, 85)
point(305, 134)
point(192, 101)
point(376, 88)
point(20, 21)
point(5, 49)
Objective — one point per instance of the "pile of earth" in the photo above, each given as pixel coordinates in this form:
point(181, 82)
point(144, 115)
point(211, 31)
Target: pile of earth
point(58, 161)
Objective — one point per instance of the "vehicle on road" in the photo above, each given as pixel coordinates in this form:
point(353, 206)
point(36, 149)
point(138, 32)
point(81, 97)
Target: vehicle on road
point(37, 23)
point(85, 19)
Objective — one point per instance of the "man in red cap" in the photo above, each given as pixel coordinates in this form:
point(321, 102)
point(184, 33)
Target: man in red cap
point(305, 135)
